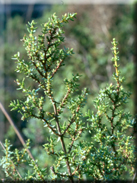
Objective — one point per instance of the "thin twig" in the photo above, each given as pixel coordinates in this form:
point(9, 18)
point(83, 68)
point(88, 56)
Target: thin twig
point(72, 120)
point(15, 129)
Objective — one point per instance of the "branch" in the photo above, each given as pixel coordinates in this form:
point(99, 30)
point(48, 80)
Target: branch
point(77, 132)
point(72, 120)
point(47, 123)
point(64, 99)
point(15, 129)
point(58, 66)
point(37, 81)
point(62, 140)
point(37, 69)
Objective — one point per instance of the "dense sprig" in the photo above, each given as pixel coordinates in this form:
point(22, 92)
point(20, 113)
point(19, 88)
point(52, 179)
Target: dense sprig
point(109, 153)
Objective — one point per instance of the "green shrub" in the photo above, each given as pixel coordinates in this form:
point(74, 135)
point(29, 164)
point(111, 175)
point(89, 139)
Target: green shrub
point(109, 153)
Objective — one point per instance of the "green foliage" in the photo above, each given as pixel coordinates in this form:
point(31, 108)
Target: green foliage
point(92, 58)
point(110, 126)
point(109, 153)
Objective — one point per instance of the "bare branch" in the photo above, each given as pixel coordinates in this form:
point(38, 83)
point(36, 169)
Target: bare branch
point(15, 129)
